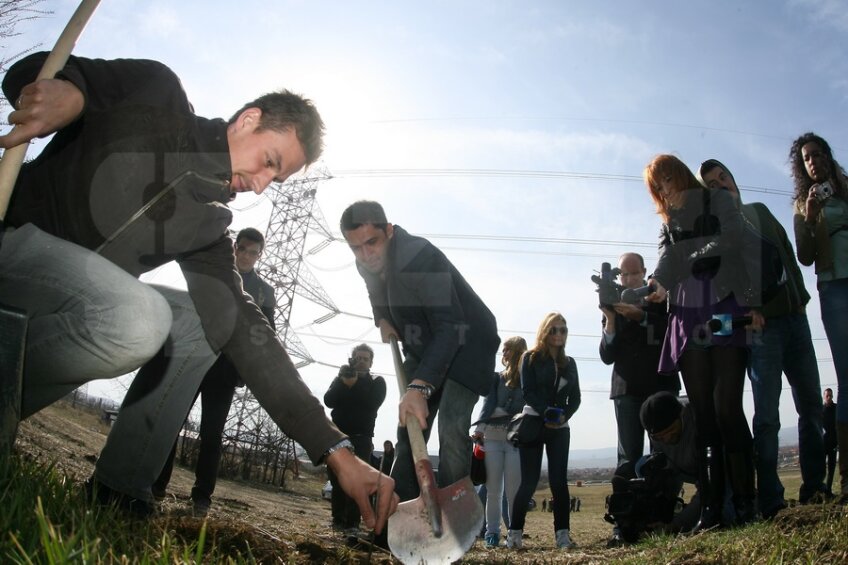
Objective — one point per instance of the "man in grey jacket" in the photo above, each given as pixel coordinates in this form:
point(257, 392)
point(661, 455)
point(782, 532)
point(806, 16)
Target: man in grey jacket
point(449, 336)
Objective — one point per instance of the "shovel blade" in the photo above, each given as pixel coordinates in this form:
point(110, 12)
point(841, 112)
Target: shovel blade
point(411, 538)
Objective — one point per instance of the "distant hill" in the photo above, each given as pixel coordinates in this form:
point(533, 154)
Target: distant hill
point(605, 457)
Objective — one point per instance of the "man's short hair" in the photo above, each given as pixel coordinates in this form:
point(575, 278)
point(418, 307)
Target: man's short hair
point(363, 347)
point(363, 213)
point(284, 110)
point(659, 411)
point(634, 254)
point(252, 234)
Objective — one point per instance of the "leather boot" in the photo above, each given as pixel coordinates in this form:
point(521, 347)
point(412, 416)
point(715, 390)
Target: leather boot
point(710, 489)
point(842, 443)
point(740, 471)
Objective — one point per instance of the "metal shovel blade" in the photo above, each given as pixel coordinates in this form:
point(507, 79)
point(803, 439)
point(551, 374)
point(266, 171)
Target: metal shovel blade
point(411, 537)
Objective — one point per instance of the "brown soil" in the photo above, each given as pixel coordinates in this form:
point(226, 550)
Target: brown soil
point(292, 526)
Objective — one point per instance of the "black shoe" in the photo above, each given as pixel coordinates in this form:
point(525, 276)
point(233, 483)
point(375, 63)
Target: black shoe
point(772, 512)
point(746, 510)
point(101, 494)
point(159, 493)
point(818, 497)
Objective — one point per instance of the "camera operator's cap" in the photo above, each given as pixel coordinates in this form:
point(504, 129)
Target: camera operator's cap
point(659, 411)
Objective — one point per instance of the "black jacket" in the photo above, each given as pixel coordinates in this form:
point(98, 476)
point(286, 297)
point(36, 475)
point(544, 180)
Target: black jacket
point(355, 407)
point(634, 353)
point(543, 389)
point(707, 237)
point(142, 180)
point(441, 321)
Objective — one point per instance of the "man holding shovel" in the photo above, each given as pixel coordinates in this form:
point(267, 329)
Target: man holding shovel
point(448, 334)
point(134, 179)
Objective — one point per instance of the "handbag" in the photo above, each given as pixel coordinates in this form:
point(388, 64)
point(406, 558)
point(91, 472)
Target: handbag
point(478, 465)
point(525, 429)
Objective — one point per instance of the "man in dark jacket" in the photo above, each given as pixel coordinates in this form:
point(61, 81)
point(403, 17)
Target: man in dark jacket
point(218, 386)
point(132, 180)
point(449, 336)
point(631, 342)
point(784, 345)
point(354, 397)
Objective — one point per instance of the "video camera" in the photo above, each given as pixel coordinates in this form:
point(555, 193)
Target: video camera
point(638, 503)
point(610, 292)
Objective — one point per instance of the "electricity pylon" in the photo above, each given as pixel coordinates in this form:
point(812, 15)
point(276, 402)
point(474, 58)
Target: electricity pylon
point(294, 213)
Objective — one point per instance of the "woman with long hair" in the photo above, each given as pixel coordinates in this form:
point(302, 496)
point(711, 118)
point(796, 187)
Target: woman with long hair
point(703, 272)
point(821, 237)
point(551, 390)
point(503, 469)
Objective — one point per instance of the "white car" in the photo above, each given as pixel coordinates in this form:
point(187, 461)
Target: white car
point(327, 491)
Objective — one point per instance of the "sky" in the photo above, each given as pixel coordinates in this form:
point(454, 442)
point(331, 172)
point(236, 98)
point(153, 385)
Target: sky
point(511, 134)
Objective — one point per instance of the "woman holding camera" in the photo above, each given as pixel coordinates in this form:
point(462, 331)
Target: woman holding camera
point(503, 468)
point(821, 237)
point(702, 270)
point(551, 390)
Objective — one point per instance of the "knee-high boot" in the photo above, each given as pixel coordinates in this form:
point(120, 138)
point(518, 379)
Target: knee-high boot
point(710, 488)
point(842, 442)
point(740, 471)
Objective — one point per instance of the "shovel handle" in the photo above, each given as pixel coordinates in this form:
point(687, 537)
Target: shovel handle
point(413, 428)
point(13, 157)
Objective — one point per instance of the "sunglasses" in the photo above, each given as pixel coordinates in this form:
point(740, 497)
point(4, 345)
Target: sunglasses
point(562, 330)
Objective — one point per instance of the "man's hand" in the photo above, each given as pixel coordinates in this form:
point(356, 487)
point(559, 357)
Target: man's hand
point(758, 321)
point(387, 330)
point(413, 404)
point(629, 311)
point(359, 481)
point(659, 294)
point(44, 107)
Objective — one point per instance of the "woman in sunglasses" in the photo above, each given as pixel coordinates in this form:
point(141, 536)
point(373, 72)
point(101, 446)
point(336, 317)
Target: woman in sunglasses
point(551, 390)
point(703, 271)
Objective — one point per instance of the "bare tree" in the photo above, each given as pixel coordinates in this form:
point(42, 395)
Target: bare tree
point(12, 13)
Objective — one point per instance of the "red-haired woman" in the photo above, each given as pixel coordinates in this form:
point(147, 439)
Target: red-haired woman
point(703, 272)
point(551, 390)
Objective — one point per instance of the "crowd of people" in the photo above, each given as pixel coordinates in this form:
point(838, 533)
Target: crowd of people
point(134, 179)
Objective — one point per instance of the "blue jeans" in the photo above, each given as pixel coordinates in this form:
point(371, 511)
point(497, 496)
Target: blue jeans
point(631, 434)
point(785, 346)
point(88, 318)
point(556, 443)
point(833, 297)
point(156, 404)
point(503, 477)
point(454, 404)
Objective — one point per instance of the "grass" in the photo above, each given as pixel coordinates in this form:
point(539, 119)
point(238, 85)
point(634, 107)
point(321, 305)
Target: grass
point(45, 518)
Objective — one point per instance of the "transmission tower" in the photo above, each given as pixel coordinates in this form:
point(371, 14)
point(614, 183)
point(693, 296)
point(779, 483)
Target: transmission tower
point(294, 213)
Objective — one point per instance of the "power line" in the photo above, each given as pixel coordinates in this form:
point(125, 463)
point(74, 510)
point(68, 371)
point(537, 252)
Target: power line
point(515, 173)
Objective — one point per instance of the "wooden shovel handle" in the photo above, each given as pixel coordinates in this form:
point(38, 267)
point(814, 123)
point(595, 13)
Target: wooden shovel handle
point(413, 428)
point(13, 157)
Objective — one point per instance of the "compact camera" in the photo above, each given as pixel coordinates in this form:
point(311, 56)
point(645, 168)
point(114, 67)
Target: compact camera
point(553, 414)
point(348, 371)
point(823, 191)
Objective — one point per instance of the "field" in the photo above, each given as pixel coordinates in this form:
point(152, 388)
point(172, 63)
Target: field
point(292, 526)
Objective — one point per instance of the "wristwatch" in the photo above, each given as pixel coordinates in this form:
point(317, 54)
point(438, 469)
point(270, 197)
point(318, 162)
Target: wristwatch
point(426, 390)
point(343, 444)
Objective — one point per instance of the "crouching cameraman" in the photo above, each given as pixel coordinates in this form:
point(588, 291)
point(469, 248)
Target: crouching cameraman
point(645, 495)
